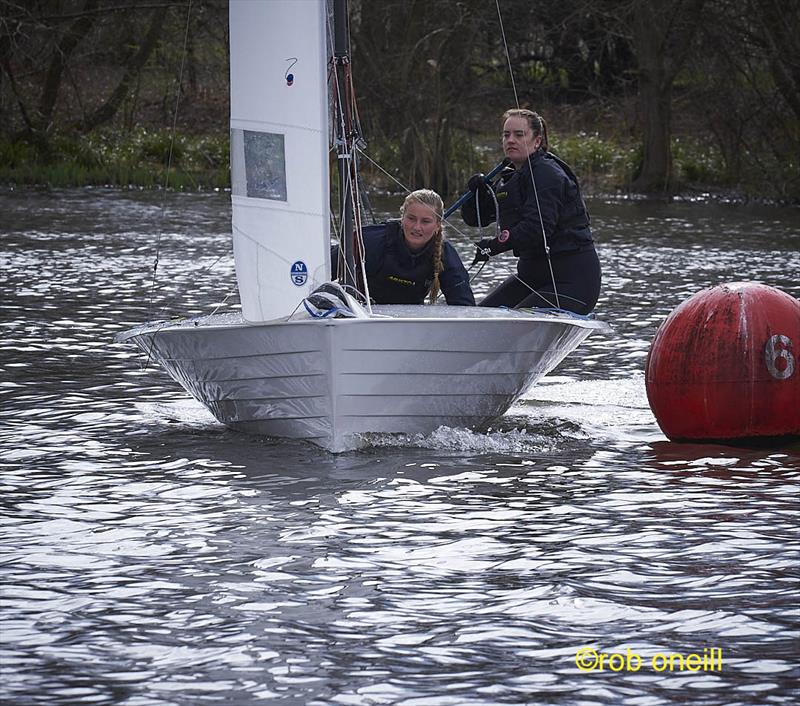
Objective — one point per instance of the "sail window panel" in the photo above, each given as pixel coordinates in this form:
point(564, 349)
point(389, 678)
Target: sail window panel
point(258, 165)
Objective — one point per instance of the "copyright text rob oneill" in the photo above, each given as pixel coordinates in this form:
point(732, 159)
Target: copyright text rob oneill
point(590, 659)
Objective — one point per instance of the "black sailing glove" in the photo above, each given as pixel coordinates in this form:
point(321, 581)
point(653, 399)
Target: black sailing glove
point(477, 182)
point(484, 249)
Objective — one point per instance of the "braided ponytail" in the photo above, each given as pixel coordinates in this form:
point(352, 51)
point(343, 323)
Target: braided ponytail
point(545, 143)
point(438, 241)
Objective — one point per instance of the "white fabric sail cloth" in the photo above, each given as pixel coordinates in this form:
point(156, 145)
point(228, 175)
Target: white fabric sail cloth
point(279, 153)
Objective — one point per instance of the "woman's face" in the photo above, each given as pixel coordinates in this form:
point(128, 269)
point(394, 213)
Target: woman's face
point(420, 224)
point(518, 140)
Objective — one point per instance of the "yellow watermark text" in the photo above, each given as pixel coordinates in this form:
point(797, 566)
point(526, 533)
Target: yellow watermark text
point(590, 659)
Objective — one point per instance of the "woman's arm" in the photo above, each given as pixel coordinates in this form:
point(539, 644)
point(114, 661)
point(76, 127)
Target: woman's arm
point(454, 279)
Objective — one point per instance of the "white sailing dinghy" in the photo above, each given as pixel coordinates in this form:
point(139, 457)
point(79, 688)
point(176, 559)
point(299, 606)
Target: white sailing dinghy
point(277, 371)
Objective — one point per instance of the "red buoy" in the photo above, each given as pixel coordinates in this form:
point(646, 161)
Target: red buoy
point(724, 365)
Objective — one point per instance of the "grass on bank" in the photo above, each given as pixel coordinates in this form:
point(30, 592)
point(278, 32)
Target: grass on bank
point(140, 159)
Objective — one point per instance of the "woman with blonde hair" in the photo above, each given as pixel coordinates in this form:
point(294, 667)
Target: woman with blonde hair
point(409, 259)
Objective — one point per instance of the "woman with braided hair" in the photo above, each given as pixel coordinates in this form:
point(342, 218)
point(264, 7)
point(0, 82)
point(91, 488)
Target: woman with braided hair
point(542, 218)
point(409, 259)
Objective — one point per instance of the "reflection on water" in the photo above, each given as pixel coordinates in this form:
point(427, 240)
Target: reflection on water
point(151, 556)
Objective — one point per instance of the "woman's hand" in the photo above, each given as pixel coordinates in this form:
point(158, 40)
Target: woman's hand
point(485, 248)
point(477, 183)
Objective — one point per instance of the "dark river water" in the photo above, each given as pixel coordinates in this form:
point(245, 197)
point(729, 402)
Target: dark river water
point(150, 556)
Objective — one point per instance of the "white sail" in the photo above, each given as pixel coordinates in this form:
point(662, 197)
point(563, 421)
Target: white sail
point(279, 153)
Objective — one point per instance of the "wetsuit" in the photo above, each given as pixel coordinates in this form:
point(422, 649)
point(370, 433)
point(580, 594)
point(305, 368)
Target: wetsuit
point(396, 275)
point(576, 268)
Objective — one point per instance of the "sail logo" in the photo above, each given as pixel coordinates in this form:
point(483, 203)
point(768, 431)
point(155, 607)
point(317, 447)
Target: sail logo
point(299, 273)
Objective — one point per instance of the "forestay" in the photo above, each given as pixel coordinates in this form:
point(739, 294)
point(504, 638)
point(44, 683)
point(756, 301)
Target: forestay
point(279, 153)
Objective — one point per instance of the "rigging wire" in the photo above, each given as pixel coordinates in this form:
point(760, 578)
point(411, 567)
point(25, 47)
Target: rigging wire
point(359, 134)
point(391, 176)
point(530, 165)
point(166, 183)
point(348, 114)
point(169, 301)
point(169, 159)
point(344, 187)
point(337, 127)
point(349, 129)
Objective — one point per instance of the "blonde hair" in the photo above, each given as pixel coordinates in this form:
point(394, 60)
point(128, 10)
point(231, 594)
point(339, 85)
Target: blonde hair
point(535, 121)
point(432, 200)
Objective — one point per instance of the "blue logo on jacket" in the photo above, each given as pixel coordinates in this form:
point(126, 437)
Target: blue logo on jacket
point(299, 273)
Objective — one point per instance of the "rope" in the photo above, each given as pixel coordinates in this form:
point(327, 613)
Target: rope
point(542, 297)
point(199, 273)
point(530, 165)
point(348, 115)
point(477, 272)
point(230, 293)
point(396, 181)
point(169, 160)
point(525, 284)
point(166, 183)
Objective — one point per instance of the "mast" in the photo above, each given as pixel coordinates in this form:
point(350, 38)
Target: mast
point(344, 134)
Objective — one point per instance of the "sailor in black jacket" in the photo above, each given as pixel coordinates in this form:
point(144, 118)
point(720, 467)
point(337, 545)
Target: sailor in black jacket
point(409, 259)
point(550, 215)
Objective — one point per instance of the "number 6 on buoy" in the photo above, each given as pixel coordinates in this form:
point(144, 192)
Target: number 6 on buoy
point(779, 358)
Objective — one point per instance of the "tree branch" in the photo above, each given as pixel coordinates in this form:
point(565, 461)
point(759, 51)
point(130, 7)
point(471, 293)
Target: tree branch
point(74, 35)
point(106, 112)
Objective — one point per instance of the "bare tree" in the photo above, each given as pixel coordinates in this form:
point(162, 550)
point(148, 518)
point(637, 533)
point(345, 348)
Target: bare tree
point(745, 82)
point(55, 56)
point(779, 24)
point(413, 71)
point(662, 35)
point(133, 64)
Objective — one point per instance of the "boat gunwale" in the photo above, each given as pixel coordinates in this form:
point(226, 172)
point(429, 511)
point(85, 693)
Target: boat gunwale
point(203, 323)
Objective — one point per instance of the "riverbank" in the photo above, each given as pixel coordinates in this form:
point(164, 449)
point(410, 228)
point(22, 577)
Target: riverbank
point(147, 158)
point(140, 158)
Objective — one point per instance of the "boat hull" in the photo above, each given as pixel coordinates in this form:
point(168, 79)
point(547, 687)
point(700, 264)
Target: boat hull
point(332, 381)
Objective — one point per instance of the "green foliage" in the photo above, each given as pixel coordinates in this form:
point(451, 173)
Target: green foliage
point(697, 161)
point(80, 153)
point(15, 155)
point(111, 158)
point(777, 178)
point(592, 155)
point(607, 163)
point(158, 146)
